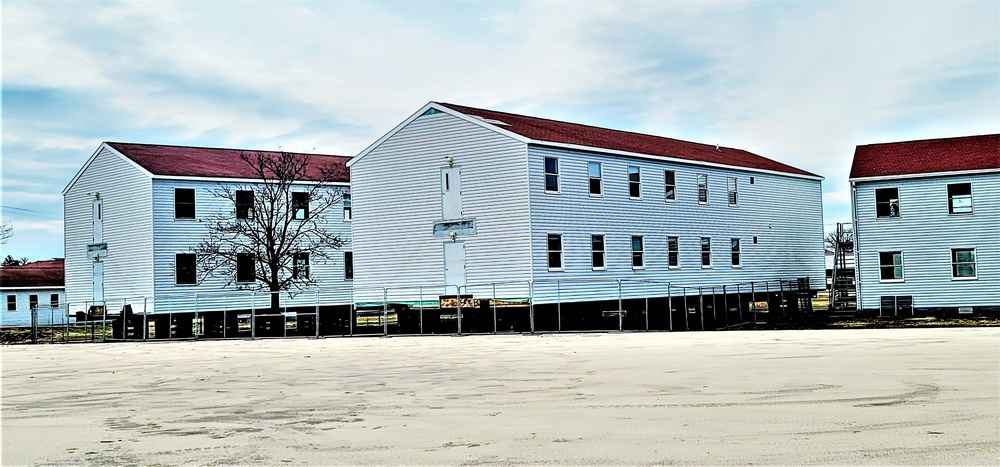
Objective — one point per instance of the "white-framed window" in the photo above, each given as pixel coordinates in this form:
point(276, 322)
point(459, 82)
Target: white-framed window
point(552, 174)
point(245, 268)
point(594, 172)
point(185, 268)
point(963, 263)
point(597, 253)
point(960, 198)
point(12, 303)
point(634, 182)
point(887, 202)
point(638, 253)
point(300, 265)
point(703, 188)
point(54, 300)
point(32, 302)
point(554, 248)
point(300, 205)
point(348, 265)
point(348, 214)
point(706, 252)
point(673, 252)
point(184, 203)
point(670, 184)
point(244, 204)
point(731, 185)
point(890, 266)
point(734, 249)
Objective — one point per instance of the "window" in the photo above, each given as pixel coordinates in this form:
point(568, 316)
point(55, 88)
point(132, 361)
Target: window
point(185, 268)
point(183, 203)
point(702, 188)
point(12, 303)
point(554, 247)
point(706, 252)
point(244, 204)
point(887, 202)
point(597, 251)
point(637, 252)
point(551, 174)
point(670, 182)
point(300, 205)
point(673, 252)
point(734, 247)
point(896, 305)
point(346, 198)
point(634, 188)
point(32, 302)
point(732, 191)
point(755, 239)
point(300, 265)
point(54, 300)
point(594, 171)
point(890, 265)
point(348, 265)
point(963, 263)
point(960, 198)
point(245, 268)
point(751, 180)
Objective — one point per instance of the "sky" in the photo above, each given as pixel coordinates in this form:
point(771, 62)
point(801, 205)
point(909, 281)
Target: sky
point(799, 82)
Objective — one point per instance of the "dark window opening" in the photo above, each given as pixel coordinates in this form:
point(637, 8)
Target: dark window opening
point(12, 303)
point(348, 265)
point(186, 268)
point(960, 198)
point(673, 252)
point(887, 202)
point(348, 214)
point(706, 252)
point(300, 266)
point(670, 184)
point(597, 251)
point(890, 264)
point(54, 300)
point(245, 267)
point(594, 171)
point(244, 204)
point(184, 203)
point(702, 188)
point(554, 247)
point(300, 205)
point(634, 182)
point(551, 174)
point(32, 302)
point(637, 252)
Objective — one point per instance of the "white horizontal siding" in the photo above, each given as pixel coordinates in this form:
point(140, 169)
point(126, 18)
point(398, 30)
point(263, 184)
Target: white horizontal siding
point(397, 198)
point(173, 236)
point(21, 315)
point(784, 213)
point(925, 232)
point(126, 195)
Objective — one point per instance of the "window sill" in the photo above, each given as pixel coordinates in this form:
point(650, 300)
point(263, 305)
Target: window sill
point(556, 269)
point(597, 195)
point(185, 285)
point(891, 281)
point(670, 200)
point(599, 269)
point(706, 267)
point(550, 192)
point(886, 217)
point(638, 268)
point(635, 198)
point(737, 266)
point(673, 267)
point(960, 214)
point(965, 278)
point(185, 218)
point(703, 203)
point(734, 205)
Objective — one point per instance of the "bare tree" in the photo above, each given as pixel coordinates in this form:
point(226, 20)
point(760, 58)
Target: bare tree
point(844, 238)
point(273, 223)
point(11, 261)
point(6, 232)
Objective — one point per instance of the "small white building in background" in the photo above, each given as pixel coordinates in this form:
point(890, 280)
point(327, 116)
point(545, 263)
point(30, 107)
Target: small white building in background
point(486, 201)
point(38, 285)
point(134, 213)
point(927, 225)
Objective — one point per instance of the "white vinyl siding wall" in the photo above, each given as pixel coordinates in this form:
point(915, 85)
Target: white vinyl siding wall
point(22, 315)
point(397, 198)
point(126, 194)
point(785, 213)
point(926, 233)
point(174, 236)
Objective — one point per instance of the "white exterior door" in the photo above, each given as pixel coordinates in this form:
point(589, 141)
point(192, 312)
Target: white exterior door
point(98, 281)
point(451, 193)
point(454, 265)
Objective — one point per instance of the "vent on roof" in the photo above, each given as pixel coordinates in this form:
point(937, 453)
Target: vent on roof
point(490, 120)
point(431, 111)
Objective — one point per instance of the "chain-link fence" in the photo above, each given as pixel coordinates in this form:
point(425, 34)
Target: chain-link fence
point(498, 307)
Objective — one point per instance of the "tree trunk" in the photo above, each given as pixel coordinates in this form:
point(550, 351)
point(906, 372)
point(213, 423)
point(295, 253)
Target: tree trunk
point(275, 301)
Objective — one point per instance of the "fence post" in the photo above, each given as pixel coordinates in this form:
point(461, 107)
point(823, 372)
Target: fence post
point(687, 319)
point(104, 320)
point(253, 315)
point(52, 323)
point(34, 324)
point(316, 319)
point(646, 284)
point(619, 304)
point(753, 303)
point(493, 302)
point(420, 308)
point(385, 311)
point(531, 305)
point(670, 308)
point(195, 324)
point(145, 320)
point(558, 306)
point(458, 294)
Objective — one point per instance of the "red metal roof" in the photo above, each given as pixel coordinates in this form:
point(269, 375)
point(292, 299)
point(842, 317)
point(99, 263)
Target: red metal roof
point(40, 274)
point(219, 163)
point(927, 156)
point(544, 130)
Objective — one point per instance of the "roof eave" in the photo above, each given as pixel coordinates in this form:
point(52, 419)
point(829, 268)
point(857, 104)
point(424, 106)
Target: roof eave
point(877, 178)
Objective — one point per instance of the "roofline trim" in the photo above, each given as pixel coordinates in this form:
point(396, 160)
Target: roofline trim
point(40, 287)
point(577, 147)
point(194, 178)
point(924, 175)
point(441, 108)
point(93, 157)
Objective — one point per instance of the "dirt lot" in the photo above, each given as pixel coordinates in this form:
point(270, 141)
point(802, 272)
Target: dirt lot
point(866, 396)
